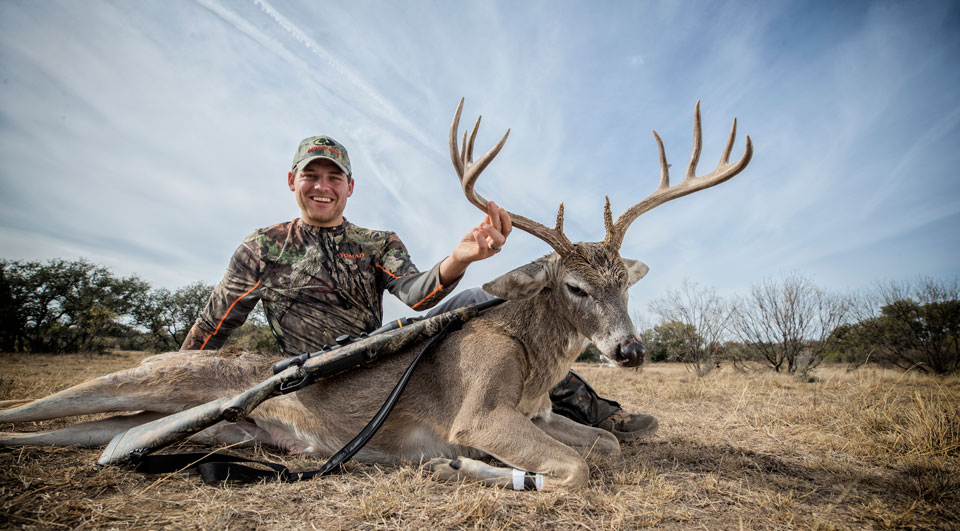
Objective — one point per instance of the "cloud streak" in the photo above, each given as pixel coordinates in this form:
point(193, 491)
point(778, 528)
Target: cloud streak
point(152, 138)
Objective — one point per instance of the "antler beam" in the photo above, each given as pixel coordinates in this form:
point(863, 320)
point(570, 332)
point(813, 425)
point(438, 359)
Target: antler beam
point(691, 183)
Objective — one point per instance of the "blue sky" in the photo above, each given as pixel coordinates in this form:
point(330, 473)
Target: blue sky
point(152, 136)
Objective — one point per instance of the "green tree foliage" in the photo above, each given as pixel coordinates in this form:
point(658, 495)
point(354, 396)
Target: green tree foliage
point(167, 316)
point(254, 334)
point(672, 341)
point(76, 306)
point(591, 354)
point(848, 343)
point(916, 326)
point(63, 306)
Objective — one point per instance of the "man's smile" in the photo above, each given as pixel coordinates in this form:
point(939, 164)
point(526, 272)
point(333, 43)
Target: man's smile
point(322, 199)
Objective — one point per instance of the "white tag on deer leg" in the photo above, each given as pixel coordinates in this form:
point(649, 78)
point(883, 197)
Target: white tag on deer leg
point(520, 478)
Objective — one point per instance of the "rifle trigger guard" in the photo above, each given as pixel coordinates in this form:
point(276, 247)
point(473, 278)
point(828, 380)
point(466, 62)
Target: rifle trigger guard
point(295, 385)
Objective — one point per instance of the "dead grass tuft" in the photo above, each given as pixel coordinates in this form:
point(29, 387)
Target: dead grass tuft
point(736, 450)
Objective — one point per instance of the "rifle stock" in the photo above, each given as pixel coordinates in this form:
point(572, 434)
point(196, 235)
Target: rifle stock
point(131, 445)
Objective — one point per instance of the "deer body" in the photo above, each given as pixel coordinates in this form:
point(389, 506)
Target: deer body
point(482, 392)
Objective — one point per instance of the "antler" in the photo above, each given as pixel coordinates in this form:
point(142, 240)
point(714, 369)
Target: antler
point(691, 183)
point(468, 171)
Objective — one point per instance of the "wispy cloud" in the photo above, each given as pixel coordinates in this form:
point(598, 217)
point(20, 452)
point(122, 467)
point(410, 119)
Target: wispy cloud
point(153, 137)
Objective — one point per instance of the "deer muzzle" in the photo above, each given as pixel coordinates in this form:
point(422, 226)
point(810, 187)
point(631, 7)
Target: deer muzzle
point(630, 353)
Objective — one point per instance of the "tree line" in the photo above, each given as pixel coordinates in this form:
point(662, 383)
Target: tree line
point(788, 323)
point(792, 325)
point(65, 306)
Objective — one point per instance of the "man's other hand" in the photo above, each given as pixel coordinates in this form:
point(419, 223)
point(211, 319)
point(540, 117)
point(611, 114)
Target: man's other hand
point(480, 242)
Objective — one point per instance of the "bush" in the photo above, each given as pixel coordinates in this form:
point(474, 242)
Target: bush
point(591, 354)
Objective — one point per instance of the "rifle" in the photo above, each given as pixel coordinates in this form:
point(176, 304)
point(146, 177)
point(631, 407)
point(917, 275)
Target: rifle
point(293, 374)
point(341, 341)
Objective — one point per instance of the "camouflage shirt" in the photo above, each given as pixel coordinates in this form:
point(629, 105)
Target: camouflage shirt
point(315, 283)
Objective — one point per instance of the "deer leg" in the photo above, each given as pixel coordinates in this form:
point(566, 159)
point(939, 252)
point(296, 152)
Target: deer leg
point(100, 432)
point(512, 438)
point(238, 435)
point(128, 390)
point(87, 434)
point(6, 404)
point(472, 470)
point(583, 438)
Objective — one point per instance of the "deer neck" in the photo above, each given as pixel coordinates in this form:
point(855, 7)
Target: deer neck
point(550, 342)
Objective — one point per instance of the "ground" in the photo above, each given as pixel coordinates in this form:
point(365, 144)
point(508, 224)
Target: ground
point(844, 449)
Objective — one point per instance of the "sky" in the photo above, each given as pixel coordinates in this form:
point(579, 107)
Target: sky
point(152, 136)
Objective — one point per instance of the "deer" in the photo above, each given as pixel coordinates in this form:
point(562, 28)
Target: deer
point(483, 393)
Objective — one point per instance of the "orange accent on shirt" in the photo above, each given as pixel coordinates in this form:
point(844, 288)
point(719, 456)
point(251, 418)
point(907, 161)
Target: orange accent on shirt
point(387, 272)
point(438, 288)
point(217, 329)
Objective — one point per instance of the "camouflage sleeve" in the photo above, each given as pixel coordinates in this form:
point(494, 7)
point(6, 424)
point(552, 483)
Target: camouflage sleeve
point(231, 301)
point(419, 291)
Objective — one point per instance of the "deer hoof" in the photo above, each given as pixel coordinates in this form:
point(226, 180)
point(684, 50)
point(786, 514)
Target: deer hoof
point(443, 468)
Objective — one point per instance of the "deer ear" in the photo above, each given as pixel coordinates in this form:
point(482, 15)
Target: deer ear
point(525, 281)
point(635, 270)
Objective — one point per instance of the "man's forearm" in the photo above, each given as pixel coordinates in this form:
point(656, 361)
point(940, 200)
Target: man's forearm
point(451, 270)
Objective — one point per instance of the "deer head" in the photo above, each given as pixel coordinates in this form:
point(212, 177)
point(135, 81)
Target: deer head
point(588, 281)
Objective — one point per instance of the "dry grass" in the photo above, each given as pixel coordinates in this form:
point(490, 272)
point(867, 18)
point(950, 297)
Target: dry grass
point(863, 449)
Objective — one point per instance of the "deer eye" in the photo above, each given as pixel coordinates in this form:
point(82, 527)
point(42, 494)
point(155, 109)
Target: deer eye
point(576, 291)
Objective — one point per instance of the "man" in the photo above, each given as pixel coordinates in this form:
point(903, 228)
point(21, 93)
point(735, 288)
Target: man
point(320, 277)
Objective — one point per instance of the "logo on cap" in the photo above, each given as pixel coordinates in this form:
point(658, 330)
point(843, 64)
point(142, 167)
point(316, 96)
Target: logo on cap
point(322, 146)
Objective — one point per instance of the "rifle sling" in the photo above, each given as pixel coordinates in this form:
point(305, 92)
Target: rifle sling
point(217, 467)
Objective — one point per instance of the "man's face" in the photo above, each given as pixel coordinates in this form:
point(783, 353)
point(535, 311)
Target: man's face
point(322, 189)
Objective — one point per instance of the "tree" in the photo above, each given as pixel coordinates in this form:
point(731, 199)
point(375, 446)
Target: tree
point(912, 325)
point(851, 343)
point(697, 317)
point(70, 306)
point(672, 341)
point(63, 306)
point(27, 302)
point(167, 317)
point(187, 302)
point(10, 325)
point(786, 322)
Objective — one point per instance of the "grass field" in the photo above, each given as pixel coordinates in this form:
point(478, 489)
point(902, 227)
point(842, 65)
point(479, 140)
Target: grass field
point(857, 449)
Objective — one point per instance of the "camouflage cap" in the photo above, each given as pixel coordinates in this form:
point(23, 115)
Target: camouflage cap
point(321, 147)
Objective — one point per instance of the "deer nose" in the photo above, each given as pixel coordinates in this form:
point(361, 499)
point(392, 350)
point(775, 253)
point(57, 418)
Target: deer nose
point(630, 353)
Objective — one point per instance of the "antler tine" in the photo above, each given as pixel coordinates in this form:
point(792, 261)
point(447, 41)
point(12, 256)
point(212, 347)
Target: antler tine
point(454, 152)
point(468, 172)
point(607, 215)
point(473, 137)
point(664, 167)
point(725, 158)
point(608, 221)
point(697, 145)
point(472, 171)
point(691, 183)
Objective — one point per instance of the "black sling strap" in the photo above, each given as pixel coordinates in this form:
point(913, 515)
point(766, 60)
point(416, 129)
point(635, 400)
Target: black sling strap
point(217, 467)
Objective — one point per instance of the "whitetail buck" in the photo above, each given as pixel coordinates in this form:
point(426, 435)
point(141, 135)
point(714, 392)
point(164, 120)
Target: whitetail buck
point(484, 392)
